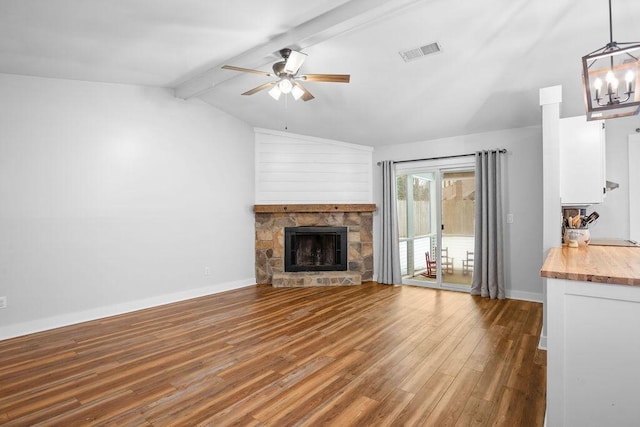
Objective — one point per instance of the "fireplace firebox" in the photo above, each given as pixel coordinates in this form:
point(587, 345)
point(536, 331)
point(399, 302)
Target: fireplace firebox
point(315, 249)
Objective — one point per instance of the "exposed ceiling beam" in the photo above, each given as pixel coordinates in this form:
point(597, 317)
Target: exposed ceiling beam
point(339, 20)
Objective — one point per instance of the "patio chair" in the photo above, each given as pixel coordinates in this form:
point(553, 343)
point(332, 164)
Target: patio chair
point(467, 264)
point(447, 262)
point(431, 267)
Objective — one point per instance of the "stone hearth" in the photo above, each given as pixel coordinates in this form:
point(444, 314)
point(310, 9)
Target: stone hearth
point(270, 221)
point(316, 278)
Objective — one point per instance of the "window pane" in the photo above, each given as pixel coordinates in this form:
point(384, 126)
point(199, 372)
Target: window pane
point(401, 195)
point(422, 246)
point(458, 203)
point(421, 206)
point(403, 258)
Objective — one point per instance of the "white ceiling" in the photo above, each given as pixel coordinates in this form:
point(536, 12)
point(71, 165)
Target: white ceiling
point(496, 55)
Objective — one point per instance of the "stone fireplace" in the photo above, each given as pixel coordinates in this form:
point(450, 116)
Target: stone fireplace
point(356, 221)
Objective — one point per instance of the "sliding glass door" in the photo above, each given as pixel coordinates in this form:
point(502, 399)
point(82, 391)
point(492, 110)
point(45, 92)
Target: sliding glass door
point(436, 223)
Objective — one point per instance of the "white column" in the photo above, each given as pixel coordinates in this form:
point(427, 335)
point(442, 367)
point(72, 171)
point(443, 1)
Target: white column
point(550, 99)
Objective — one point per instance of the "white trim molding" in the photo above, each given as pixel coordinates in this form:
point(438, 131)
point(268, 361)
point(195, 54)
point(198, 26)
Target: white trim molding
point(59, 321)
point(524, 296)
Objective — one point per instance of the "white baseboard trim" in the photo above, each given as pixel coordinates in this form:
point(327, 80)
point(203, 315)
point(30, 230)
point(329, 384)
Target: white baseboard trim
point(542, 344)
point(511, 294)
point(524, 296)
point(53, 322)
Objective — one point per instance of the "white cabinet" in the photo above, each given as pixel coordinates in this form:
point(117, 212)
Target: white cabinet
point(582, 161)
point(593, 354)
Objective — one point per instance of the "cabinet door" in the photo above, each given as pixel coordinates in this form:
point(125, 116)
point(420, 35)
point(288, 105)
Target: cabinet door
point(634, 187)
point(593, 351)
point(582, 161)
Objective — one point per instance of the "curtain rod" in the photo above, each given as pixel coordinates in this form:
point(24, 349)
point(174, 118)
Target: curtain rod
point(502, 151)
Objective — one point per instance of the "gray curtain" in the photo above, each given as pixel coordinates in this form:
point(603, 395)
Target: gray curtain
point(488, 270)
point(389, 270)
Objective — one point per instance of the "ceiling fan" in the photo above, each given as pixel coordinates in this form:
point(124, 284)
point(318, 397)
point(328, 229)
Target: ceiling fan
point(288, 79)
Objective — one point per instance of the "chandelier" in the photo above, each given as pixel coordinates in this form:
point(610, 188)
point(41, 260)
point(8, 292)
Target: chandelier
point(610, 76)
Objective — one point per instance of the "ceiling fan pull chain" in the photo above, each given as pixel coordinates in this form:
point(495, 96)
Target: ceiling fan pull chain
point(286, 97)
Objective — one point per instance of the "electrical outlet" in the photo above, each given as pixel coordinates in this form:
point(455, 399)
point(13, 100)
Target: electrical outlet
point(3, 302)
point(510, 218)
point(207, 271)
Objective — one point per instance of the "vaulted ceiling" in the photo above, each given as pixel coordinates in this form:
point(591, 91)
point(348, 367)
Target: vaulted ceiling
point(495, 56)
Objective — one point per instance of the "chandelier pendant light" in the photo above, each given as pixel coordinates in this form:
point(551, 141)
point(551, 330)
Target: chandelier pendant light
point(610, 76)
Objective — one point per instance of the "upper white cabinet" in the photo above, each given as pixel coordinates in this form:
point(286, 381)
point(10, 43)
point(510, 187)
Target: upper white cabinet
point(582, 161)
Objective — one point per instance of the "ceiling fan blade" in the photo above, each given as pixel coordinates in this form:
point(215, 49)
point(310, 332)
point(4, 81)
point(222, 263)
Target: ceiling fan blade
point(306, 96)
point(246, 70)
point(331, 78)
point(294, 62)
point(259, 88)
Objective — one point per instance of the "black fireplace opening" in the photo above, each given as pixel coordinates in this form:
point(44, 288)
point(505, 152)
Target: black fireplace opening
point(315, 249)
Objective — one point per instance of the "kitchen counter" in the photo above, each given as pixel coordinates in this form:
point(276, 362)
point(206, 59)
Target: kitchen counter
point(599, 264)
point(593, 345)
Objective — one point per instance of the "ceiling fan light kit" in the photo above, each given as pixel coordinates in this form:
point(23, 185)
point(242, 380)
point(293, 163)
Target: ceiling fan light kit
point(285, 85)
point(296, 92)
point(288, 79)
point(275, 92)
point(610, 77)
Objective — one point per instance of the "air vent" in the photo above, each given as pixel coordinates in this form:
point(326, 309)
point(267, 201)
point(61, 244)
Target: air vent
point(420, 52)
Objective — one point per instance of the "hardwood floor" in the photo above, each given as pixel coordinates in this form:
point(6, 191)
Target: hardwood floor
point(360, 355)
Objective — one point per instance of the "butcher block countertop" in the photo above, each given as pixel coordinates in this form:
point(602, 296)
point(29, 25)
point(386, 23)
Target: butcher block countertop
point(599, 264)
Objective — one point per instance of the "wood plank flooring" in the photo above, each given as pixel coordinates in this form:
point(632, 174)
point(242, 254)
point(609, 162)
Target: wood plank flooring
point(259, 356)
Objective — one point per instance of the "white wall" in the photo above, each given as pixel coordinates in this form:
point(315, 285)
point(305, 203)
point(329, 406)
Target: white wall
point(293, 168)
point(523, 199)
point(116, 197)
point(614, 211)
